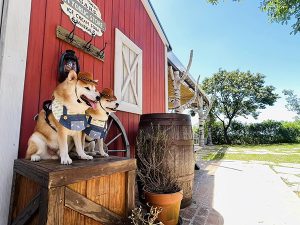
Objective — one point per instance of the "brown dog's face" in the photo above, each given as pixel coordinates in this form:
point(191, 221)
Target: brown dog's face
point(86, 92)
point(109, 105)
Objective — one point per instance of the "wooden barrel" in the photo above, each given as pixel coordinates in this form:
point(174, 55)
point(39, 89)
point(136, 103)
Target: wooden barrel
point(180, 133)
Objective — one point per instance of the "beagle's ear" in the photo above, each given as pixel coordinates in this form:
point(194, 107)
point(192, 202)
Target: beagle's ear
point(72, 75)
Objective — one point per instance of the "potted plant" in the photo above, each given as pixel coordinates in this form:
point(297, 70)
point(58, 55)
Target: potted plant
point(159, 184)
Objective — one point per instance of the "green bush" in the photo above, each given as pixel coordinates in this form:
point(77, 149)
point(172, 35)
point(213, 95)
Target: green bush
point(267, 132)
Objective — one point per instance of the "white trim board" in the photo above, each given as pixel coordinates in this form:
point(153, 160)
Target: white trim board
point(128, 67)
point(13, 56)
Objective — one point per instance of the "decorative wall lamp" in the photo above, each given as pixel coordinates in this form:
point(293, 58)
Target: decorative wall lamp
point(68, 61)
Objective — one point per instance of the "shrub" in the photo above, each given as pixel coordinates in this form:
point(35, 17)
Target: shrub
point(267, 132)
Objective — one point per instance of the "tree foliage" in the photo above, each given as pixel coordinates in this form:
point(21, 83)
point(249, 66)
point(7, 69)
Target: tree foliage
point(280, 11)
point(236, 94)
point(293, 102)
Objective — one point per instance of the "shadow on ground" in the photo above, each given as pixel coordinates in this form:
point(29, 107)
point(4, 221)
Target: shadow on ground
point(201, 211)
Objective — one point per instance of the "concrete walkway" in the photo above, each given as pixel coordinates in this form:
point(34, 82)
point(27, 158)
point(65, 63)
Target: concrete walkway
point(241, 193)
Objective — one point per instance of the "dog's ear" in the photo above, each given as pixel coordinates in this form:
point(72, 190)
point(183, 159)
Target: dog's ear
point(72, 75)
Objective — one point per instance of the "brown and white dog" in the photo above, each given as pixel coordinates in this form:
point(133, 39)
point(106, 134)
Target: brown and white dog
point(65, 119)
point(97, 128)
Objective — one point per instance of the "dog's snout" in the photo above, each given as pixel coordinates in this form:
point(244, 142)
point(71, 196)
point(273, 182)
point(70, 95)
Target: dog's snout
point(117, 104)
point(98, 98)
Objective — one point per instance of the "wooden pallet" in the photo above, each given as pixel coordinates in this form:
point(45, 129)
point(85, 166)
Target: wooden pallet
point(100, 191)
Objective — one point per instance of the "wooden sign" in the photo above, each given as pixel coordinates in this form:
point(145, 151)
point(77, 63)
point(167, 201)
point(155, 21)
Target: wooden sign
point(85, 14)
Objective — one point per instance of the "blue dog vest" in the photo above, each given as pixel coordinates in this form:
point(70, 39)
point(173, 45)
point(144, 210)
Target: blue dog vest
point(77, 122)
point(96, 129)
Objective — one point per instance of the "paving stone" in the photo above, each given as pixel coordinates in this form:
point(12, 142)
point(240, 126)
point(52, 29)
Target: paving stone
point(188, 213)
point(203, 212)
point(199, 220)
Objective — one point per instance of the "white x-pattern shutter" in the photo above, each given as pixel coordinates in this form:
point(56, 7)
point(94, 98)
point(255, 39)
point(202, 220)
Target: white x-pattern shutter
point(128, 74)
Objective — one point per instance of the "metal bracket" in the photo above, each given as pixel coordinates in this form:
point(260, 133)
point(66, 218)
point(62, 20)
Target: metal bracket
point(87, 47)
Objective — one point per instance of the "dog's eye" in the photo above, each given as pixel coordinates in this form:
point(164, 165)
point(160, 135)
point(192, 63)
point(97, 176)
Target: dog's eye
point(87, 88)
point(108, 100)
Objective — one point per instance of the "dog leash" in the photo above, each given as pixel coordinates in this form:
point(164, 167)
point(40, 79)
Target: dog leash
point(48, 110)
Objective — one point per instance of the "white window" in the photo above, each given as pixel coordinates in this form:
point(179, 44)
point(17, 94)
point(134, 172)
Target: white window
point(128, 74)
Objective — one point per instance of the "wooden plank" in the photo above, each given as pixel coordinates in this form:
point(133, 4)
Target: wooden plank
point(96, 192)
point(117, 193)
point(54, 165)
point(43, 209)
point(130, 191)
point(70, 216)
point(88, 208)
point(30, 169)
point(12, 197)
point(28, 211)
point(77, 42)
point(25, 190)
point(67, 176)
point(56, 206)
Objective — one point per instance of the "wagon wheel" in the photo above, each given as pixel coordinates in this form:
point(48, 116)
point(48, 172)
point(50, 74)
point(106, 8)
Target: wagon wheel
point(115, 124)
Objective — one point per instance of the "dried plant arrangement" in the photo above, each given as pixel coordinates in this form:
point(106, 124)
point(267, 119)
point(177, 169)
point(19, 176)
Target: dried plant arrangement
point(153, 151)
point(141, 217)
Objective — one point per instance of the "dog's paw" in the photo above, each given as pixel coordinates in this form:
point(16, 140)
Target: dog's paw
point(104, 154)
point(35, 158)
point(65, 160)
point(85, 156)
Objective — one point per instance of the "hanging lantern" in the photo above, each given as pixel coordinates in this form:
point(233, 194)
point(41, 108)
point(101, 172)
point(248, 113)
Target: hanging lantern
point(68, 61)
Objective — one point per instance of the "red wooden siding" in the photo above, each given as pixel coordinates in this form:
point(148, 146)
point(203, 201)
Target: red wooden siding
point(44, 51)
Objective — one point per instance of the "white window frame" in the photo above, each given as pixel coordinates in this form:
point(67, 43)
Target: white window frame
point(120, 40)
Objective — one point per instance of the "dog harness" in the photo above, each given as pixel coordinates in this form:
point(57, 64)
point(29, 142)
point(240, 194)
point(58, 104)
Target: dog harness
point(72, 121)
point(96, 129)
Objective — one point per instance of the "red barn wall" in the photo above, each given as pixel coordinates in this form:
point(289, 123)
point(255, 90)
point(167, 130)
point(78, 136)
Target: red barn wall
point(44, 51)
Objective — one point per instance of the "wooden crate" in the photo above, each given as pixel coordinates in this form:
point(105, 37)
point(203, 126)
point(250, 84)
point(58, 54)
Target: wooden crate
point(96, 192)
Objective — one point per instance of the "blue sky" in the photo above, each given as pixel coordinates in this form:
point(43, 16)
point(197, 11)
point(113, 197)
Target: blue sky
point(234, 36)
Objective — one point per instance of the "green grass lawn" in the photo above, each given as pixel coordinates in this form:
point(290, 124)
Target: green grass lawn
point(279, 153)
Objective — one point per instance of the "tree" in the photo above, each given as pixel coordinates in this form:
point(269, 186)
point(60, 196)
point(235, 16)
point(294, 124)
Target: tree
point(238, 94)
point(293, 102)
point(280, 11)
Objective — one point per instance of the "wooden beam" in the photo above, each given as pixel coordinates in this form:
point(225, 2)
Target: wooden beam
point(12, 198)
point(130, 192)
point(56, 204)
point(28, 211)
point(63, 34)
point(88, 208)
point(43, 210)
point(104, 167)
